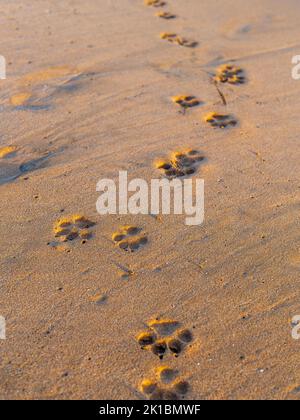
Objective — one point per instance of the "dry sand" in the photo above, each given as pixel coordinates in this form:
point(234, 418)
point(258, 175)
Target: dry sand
point(87, 94)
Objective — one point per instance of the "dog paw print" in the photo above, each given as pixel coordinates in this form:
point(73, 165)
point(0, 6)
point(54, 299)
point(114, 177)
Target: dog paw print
point(165, 15)
point(71, 228)
point(165, 336)
point(176, 39)
point(166, 384)
point(155, 3)
point(220, 121)
point(180, 164)
point(229, 73)
point(130, 238)
point(186, 101)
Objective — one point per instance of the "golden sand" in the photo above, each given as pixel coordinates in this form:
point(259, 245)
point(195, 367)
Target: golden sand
point(89, 92)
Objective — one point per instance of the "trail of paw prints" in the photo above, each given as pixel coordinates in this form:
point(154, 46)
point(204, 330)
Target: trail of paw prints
point(229, 73)
point(186, 101)
point(163, 337)
point(181, 164)
point(165, 384)
point(130, 238)
point(220, 121)
point(161, 14)
point(176, 39)
point(73, 228)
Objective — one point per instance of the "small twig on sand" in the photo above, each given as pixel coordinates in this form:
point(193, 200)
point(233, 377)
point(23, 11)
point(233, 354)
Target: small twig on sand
point(220, 93)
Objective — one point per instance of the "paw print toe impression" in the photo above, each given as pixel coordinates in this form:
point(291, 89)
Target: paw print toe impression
point(180, 164)
point(166, 375)
point(146, 338)
point(130, 238)
point(148, 386)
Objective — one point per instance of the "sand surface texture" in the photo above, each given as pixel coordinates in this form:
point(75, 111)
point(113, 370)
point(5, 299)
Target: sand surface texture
point(92, 88)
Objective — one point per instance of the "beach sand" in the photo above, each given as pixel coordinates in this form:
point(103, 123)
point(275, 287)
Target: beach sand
point(87, 94)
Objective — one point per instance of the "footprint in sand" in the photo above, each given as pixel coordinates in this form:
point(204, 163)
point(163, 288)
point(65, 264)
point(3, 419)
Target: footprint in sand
point(11, 167)
point(165, 15)
point(165, 336)
point(9, 170)
point(165, 384)
point(186, 101)
point(180, 164)
point(176, 39)
point(99, 299)
point(220, 121)
point(68, 229)
point(130, 238)
point(34, 164)
point(229, 73)
point(7, 151)
point(49, 74)
point(155, 3)
point(20, 99)
point(36, 87)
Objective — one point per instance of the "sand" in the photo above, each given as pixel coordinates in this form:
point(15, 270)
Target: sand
point(88, 93)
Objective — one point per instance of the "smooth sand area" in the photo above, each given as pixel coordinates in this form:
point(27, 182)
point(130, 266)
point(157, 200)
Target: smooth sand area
point(90, 91)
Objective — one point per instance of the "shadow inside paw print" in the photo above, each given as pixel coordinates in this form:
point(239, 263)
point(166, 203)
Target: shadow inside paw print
point(165, 385)
point(229, 73)
point(165, 336)
point(181, 164)
point(176, 39)
point(74, 227)
point(130, 238)
point(220, 121)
